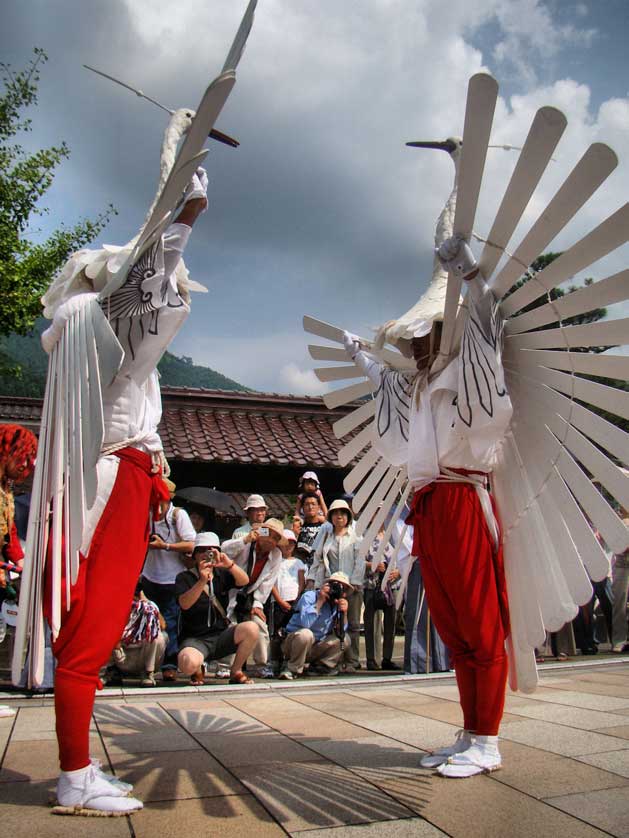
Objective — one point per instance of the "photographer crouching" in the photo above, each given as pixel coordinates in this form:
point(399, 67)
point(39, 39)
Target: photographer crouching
point(203, 592)
point(315, 633)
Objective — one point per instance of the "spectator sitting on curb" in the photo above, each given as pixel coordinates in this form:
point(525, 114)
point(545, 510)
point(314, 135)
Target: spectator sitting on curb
point(255, 510)
point(142, 646)
point(206, 632)
point(311, 635)
point(258, 553)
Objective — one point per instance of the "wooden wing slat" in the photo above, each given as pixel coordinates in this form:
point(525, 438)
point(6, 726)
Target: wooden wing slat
point(362, 439)
point(482, 94)
point(327, 353)
point(544, 134)
point(542, 401)
point(602, 333)
point(369, 486)
point(602, 364)
point(357, 474)
point(379, 511)
point(347, 394)
point(607, 237)
point(347, 424)
point(338, 373)
point(611, 399)
point(606, 292)
point(598, 162)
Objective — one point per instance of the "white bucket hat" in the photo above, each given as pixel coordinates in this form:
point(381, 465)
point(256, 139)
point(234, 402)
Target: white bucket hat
point(340, 504)
point(207, 539)
point(255, 502)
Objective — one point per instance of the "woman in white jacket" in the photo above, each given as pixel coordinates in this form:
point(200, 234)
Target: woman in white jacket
point(339, 551)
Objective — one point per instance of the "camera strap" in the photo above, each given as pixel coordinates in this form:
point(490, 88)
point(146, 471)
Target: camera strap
point(214, 602)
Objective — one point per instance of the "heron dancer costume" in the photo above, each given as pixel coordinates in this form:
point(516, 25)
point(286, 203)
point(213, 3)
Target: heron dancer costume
point(476, 428)
point(114, 312)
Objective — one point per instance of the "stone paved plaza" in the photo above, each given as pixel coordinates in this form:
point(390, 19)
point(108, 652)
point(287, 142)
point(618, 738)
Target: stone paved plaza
point(338, 760)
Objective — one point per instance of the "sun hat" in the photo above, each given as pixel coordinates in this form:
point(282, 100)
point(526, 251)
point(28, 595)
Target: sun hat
point(340, 504)
point(341, 577)
point(274, 525)
point(206, 539)
point(255, 502)
point(289, 535)
point(309, 475)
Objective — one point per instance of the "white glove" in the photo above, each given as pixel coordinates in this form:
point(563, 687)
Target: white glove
point(456, 256)
point(198, 186)
point(65, 311)
point(352, 344)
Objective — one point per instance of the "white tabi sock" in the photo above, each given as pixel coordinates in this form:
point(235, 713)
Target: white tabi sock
point(464, 738)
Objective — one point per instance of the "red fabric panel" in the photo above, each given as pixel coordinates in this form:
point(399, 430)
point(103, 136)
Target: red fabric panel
point(100, 604)
point(466, 595)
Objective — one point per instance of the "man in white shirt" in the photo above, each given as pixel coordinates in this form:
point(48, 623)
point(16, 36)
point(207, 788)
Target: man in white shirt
point(255, 510)
point(172, 538)
point(258, 553)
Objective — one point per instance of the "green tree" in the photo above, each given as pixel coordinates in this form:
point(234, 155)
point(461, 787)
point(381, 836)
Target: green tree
point(26, 266)
point(555, 293)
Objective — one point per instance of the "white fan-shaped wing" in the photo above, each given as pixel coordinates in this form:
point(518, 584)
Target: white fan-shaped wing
point(566, 441)
point(562, 458)
point(86, 358)
point(377, 485)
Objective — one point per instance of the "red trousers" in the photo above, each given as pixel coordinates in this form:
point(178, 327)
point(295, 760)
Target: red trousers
point(466, 593)
point(100, 602)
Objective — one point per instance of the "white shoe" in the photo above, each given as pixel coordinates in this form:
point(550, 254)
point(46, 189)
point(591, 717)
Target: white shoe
point(461, 743)
point(111, 778)
point(287, 675)
point(84, 792)
point(480, 758)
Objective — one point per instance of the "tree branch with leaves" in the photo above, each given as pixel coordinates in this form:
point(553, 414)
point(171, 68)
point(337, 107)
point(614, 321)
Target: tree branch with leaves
point(27, 266)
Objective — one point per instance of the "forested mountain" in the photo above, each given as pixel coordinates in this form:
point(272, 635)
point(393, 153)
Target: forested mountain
point(23, 366)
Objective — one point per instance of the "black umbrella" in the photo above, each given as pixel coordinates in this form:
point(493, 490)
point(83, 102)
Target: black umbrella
point(211, 498)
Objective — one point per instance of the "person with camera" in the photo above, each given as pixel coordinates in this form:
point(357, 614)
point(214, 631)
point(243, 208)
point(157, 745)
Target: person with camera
point(258, 553)
point(202, 592)
point(315, 633)
point(255, 510)
point(339, 550)
point(172, 538)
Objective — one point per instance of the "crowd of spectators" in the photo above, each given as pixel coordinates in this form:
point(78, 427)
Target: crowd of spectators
point(284, 599)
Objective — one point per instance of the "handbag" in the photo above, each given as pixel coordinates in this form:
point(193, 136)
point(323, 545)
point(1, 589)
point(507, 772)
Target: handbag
point(380, 599)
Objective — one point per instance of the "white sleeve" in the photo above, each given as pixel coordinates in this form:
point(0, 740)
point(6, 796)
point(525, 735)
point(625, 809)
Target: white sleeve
point(183, 525)
point(369, 366)
point(236, 549)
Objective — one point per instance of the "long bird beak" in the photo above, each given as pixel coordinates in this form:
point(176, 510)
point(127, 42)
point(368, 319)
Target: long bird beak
point(444, 145)
point(223, 138)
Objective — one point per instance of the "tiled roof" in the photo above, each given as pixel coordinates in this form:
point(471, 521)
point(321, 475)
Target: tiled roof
point(248, 428)
point(230, 426)
point(22, 411)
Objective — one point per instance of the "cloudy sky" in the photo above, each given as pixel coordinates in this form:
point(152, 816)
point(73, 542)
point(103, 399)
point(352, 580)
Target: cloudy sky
point(322, 210)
